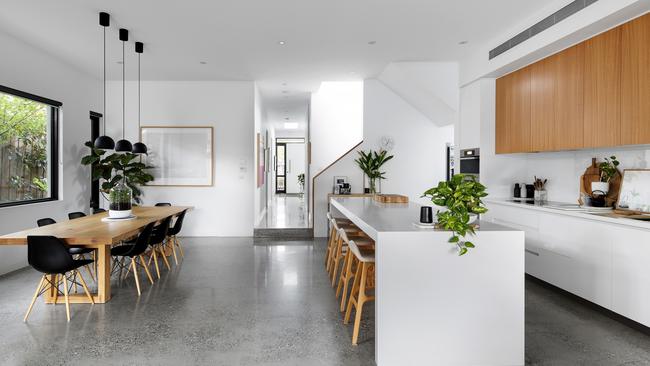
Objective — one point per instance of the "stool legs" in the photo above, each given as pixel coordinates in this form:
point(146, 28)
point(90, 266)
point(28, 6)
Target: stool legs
point(344, 280)
point(358, 298)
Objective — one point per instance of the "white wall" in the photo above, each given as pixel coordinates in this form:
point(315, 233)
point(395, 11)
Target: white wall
point(419, 150)
point(226, 208)
point(28, 69)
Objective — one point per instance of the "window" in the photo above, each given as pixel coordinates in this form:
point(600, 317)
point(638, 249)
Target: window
point(28, 148)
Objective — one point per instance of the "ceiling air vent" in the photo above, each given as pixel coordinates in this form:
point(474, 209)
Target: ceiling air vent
point(549, 21)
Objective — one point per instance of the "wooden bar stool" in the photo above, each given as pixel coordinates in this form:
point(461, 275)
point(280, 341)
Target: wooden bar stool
point(334, 223)
point(347, 273)
point(341, 248)
point(364, 280)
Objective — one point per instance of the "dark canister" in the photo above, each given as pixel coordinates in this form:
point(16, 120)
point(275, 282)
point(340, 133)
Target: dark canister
point(426, 214)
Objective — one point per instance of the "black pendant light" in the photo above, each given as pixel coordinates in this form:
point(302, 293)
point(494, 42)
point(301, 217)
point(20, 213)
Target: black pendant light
point(139, 147)
point(104, 142)
point(123, 145)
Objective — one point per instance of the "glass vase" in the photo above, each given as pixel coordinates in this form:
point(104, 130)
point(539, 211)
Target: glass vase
point(120, 197)
point(371, 185)
point(541, 196)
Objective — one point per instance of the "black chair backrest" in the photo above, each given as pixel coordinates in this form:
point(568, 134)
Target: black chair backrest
point(174, 230)
point(142, 242)
point(44, 222)
point(98, 210)
point(48, 254)
point(75, 215)
point(161, 204)
point(160, 232)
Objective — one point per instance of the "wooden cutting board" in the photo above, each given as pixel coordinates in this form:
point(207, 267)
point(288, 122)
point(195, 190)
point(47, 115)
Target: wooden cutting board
point(592, 174)
point(391, 198)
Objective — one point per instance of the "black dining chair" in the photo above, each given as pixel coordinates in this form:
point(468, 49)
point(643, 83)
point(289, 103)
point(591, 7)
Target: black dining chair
point(172, 236)
point(50, 256)
point(157, 241)
point(98, 210)
point(134, 250)
point(76, 215)
point(77, 251)
point(163, 204)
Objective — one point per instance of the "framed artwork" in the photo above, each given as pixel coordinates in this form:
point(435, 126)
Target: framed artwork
point(179, 155)
point(260, 161)
point(635, 191)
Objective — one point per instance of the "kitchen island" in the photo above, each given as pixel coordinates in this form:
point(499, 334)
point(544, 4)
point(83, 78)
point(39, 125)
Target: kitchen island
point(432, 306)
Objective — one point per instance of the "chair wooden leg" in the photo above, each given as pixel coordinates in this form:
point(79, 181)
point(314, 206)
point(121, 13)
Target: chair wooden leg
point(361, 300)
point(146, 268)
point(155, 262)
point(339, 287)
point(164, 257)
point(337, 261)
point(171, 240)
point(67, 300)
point(329, 246)
point(178, 244)
point(31, 304)
point(135, 275)
point(83, 284)
point(56, 288)
point(353, 293)
point(346, 281)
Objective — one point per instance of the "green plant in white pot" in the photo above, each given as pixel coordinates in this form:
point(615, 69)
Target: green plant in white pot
point(608, 170)
point(462, 198)
point(371, 163)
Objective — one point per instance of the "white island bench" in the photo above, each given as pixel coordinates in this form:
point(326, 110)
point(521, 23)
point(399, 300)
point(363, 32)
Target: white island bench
point(432, 306)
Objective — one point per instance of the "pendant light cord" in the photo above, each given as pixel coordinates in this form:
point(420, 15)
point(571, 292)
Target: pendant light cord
point(104, 81)
point(139, 98)
point(123, 89)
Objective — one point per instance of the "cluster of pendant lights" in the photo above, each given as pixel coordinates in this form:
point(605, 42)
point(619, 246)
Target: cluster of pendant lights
point(106, 142)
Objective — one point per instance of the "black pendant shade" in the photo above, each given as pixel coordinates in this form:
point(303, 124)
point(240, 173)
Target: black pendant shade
point(139, 148)
point(104, 142)
point(123, 146)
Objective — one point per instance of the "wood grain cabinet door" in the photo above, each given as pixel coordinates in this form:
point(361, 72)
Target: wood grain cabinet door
point(635, 82)
point(502, 138)
point(602, 88)
point(542, 104)
point(568, 99)
point(513, 112)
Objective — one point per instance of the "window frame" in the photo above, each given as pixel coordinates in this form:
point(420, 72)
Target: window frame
point(54, 145)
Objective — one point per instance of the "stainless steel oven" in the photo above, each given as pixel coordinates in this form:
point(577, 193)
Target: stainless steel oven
point(470, 162)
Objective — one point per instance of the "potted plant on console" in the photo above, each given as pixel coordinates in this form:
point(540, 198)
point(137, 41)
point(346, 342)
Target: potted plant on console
point(608, 170)
point(371, 163)
point(462, 197)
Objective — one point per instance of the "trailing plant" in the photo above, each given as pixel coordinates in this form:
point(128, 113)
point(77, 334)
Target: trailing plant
point(462, 196)
point(608, 169)
point(116, 167)
point(371, 163)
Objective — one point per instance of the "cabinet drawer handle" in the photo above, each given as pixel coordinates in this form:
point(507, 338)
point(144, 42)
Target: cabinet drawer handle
point(531, 252)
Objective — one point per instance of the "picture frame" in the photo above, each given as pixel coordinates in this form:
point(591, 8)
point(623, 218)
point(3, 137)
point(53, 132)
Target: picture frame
point(179, 155)
point(635, 191)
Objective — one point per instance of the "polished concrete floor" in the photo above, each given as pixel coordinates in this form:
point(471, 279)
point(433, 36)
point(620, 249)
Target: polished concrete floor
point(236, 301)
point(285, 211)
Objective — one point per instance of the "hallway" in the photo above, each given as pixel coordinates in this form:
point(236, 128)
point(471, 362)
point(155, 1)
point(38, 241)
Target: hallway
point(286, 211)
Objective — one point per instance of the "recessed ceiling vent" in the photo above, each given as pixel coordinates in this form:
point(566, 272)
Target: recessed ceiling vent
point(546, 23)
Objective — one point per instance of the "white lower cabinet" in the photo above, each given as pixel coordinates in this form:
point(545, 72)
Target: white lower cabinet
point(607, 264)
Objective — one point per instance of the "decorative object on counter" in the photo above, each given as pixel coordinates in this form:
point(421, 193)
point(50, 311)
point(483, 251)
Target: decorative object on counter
point(341, 185)
point(541, 195)
point(635, 191)
point(608, 170)
point(517, 192)
point(371, 163)
point(462, 196)
point(426, 215)
point(391, 198)
point(597, 199)
point(530, 191)
point(117, 168)
point(592, 180)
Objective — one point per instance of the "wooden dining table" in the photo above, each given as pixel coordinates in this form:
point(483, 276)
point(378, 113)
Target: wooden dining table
point(92, 232)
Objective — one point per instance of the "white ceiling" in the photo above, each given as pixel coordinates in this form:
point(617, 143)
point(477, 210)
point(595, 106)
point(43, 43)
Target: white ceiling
point(325, 40)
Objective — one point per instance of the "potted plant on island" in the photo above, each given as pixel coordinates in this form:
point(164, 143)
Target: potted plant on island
point(608, 170)
point(123, 176)
point(462, 197)
point(371, 163)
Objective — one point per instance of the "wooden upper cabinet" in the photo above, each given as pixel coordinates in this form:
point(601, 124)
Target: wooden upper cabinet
point(542, 105)
point(568, 99)
point(513, 112)
point(602, 88)
point(635, 82)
